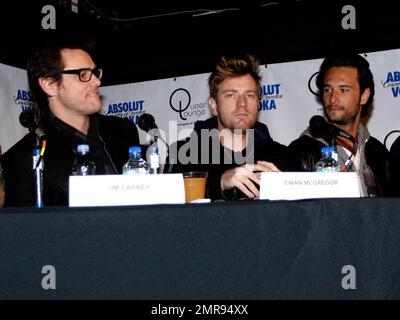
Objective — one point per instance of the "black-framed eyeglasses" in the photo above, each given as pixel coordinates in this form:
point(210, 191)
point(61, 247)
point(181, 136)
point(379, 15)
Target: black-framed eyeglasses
point(85, 74)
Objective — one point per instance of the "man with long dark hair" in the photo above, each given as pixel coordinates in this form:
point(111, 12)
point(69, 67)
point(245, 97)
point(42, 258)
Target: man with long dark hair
point(346, 90)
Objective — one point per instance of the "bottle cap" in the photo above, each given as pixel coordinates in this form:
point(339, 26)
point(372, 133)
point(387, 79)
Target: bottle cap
point(82, 148)
point(135, 149)
point(326, 150)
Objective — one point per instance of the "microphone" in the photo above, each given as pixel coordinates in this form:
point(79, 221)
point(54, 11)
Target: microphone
point(146, 122)
point(319, 128)
point(30, 119)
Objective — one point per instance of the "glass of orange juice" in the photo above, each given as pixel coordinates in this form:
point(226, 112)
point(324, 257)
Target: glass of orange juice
point(195, 185)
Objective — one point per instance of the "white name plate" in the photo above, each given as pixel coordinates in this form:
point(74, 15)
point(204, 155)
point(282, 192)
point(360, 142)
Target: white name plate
point(308, 185)
point(120, 190)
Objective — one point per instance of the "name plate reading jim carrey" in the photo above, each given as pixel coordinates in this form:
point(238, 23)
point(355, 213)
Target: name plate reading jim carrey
point(308, 185)
point(119, 190)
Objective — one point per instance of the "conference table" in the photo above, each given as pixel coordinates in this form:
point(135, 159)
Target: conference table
point(245, 250)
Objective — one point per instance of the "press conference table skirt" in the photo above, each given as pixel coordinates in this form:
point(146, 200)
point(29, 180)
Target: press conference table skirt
point(227, 250)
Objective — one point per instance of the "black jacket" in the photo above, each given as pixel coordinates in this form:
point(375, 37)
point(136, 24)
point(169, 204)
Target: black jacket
point(394, 167)
point(108, 137)
point(264, 149)
point(376, 156)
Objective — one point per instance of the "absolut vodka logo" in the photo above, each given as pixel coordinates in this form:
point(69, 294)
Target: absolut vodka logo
point(270, 94)
point(392, 82)
point(24, 99)
point(131, 110)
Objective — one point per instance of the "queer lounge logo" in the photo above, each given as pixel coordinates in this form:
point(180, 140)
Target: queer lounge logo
point(180, 101)
point(131, 110)
point(269, 96)
point(392, 83)
point(312, 87)
point(24, 100)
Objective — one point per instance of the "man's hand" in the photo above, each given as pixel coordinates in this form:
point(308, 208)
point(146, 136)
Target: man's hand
point(245, 176)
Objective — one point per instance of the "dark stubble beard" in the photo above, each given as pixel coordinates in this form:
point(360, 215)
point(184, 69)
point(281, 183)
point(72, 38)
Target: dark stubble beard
point(348, 121)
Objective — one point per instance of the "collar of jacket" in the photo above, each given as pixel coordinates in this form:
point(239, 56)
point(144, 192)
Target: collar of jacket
point(261, 132)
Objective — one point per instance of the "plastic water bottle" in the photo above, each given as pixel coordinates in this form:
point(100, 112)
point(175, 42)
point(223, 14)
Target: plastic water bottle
point(154, 158)
point(328, 162)
point(83, 164)
point(135, 164)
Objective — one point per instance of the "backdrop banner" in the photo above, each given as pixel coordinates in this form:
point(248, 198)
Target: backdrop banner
point(288, 100)
point(14, 98)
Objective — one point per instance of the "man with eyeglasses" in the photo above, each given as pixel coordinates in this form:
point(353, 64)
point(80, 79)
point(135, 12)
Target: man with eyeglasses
point(65, 83)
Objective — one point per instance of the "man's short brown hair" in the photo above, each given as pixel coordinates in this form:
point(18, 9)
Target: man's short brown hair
point(234, 67)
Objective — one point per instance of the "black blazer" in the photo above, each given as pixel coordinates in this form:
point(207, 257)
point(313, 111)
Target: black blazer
point(394, 167)
point(376, 155)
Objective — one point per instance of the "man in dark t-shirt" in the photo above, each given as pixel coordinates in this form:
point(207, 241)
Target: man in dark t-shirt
point(232, 146)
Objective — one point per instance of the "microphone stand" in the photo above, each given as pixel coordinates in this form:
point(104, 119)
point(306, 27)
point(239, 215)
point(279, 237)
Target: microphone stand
point(148, 124)
point(37, 154)
point(348, 162)
point(155, 138)
point(333, 142)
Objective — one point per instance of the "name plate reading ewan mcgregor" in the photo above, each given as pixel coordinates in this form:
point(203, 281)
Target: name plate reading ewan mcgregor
point(120, 190)
point(308, 185)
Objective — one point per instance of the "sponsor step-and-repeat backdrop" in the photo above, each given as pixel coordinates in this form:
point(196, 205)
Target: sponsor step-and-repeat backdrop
point(14, 98)
point(288, 100)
